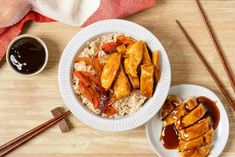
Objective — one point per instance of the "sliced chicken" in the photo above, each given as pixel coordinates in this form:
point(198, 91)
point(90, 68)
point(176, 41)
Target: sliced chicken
point(147, 80)
point(196, 130)
point(197, 152)
point(192, 117)
point(146, 58)
point(134, 55)
point(175, 115)
point(198, 142)
point(166, 109)
point(193, 123)
point(176, 101)
point(190, 103)
point(135, 82)
point(110, 70)
point(156, 63)
point(122, 86)
point(170, 104)
point(121, 49)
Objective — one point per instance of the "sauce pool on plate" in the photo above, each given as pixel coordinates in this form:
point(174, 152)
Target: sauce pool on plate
point(169, 137)
point(213, 110)
point(27, 55)
point(175, 137)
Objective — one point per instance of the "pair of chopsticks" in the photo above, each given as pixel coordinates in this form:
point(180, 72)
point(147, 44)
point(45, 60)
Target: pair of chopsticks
point(13, 144)
point(219, 51)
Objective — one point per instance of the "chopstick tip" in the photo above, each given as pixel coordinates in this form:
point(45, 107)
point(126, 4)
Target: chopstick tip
point(178, 22)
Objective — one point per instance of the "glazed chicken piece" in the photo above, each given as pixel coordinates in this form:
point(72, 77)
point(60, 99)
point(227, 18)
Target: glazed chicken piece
point(175, 115)
point(121, 49)
point(167, 108)
point(198, 142)
point(190, 103)
point(110, 70)
point(179, 111)
point(202, 151)
point(176, 101)
point(147, 80)
point(146, 58)
point(192, 117)
point(196, 130)
point(134, 54)
point(156, 63)
point(170, 104)
point(122, 87)
point(135, 82)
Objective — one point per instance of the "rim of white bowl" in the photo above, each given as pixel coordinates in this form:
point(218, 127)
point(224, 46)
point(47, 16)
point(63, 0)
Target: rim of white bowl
point(36, 38)
point(151, 106)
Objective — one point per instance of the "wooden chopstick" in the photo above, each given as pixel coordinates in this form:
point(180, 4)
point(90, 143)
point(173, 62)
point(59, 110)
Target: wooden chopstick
point(13, 144)
point(216, 44)
point(208, 68)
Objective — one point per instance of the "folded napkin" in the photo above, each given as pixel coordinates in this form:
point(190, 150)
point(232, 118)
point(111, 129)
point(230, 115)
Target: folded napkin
point(14, 13)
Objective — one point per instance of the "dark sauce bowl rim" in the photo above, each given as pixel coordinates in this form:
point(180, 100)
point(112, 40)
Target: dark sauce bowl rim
point(19, 38)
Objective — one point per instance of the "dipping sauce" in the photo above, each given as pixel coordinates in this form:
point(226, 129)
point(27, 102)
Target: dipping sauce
point(27, 55)
point(212, 109)
point(169, 137)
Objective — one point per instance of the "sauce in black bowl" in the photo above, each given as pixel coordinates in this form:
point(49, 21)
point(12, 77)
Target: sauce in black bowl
point(27, 55)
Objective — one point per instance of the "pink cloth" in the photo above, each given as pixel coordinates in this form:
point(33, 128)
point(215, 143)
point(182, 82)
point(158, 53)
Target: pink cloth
point(9, 13)
point(8, 33)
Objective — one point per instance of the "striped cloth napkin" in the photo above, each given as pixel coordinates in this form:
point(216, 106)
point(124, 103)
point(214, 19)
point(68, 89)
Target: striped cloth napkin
point(14, 13)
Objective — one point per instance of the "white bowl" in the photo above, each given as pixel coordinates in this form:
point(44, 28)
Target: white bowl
point(149, 109)
point(184, 91)
point(24, 36)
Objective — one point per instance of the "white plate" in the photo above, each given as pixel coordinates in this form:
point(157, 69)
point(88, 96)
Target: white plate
point(91, 32)
point(153, 127)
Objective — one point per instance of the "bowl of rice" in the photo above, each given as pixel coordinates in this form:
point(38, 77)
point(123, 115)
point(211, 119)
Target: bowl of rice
point(76, 71)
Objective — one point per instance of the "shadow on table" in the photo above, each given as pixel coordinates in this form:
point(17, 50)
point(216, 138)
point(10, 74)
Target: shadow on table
point(3, 61)
point(53, 51)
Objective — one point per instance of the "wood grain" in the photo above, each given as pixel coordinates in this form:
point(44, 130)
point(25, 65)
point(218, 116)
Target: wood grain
point(26, 102)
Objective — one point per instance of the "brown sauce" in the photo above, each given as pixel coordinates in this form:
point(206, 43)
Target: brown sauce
point(212, 109)
point(169, 137)
point(27, 55)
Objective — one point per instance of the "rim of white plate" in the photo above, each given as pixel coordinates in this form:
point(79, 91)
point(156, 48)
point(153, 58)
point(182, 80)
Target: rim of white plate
point(91, 32)
point(221, 133)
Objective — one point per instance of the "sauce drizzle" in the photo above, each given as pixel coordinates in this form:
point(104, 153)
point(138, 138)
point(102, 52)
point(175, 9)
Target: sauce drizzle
point(212, 109)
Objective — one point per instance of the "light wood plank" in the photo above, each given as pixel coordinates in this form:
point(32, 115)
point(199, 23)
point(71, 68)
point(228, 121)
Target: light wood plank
point(26, 102)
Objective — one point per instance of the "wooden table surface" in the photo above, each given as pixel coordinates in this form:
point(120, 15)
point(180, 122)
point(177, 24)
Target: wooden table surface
point(25, 102)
